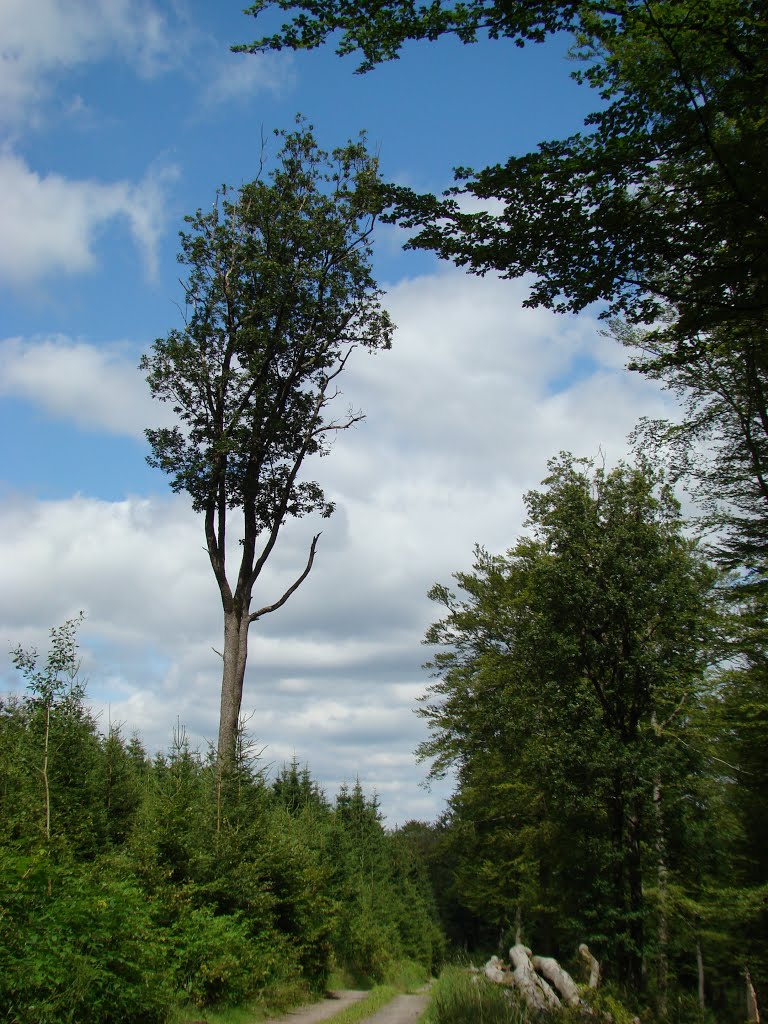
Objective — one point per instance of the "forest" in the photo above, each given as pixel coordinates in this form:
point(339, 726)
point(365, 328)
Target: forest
point(598, 691)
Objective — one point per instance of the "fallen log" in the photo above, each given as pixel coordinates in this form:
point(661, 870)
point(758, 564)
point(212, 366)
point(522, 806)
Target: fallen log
point(494, 971)
point(561, 980)
point(541, 982)
point(534, 989)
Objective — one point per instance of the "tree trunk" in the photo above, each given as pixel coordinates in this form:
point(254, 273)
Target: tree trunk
point(234, 656)
point(619, 843)
point(592, 964)
point(634, 976)
point(753, 1013)
point(45, 782)
point(700, 975)
point(662, 963)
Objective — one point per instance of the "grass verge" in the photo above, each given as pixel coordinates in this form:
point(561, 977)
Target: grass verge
point(378, 996)
point(461, 997)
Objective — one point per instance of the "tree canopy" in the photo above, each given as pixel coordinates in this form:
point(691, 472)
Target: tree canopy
point(568, 670)
point(720, 446)
point(661, 200)
point(279, 293)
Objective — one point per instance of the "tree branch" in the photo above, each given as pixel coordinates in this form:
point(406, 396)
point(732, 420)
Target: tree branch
point(294, 586)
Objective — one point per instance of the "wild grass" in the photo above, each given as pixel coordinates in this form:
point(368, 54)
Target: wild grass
point(462, 997)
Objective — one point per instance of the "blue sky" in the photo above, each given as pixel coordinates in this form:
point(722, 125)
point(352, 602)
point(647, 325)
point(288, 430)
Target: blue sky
point(117, 118)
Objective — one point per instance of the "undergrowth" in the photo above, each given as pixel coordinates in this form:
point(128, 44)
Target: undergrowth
point(274, 1001)
point(462, 997)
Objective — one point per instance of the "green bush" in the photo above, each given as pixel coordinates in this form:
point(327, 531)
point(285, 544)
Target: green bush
point(407, 975)
point(77, 946)
point(218, 960)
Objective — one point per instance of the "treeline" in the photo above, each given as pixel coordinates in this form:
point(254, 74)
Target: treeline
point(602, 694)
point(131, 884)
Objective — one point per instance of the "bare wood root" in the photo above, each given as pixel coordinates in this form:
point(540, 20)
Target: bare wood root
point(592, 965)
point(535, 990)
point(535, 979)
point(494, 971)
point(550, 969)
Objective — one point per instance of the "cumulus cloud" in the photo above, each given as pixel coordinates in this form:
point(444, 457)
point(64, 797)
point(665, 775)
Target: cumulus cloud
point(49, 37)
point(94, 387)
point(50, 223)
point(463, 414)
point(45, 41)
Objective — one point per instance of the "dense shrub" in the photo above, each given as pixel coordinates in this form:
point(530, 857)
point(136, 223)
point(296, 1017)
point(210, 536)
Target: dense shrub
point(216, 960)
point(78, 946)
point(128, 884)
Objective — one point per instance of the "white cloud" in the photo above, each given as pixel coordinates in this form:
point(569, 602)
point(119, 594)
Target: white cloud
point(93, 387)
point(463, 413)
point(49, 37)
point(235, 77)
point(49, 224)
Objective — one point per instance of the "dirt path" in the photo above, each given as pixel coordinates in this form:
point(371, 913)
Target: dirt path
point(333, 1003)
point(403, 1009)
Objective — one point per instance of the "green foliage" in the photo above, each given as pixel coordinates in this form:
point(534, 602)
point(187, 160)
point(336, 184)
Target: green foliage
point(732, 864)
point(155, 884)
point(720, 447)
point(78, 945)
point(660, 201)
point(49, 775)
point(384, 905)
point(273, 308)
point(407, 975)
point(279, 293)
point(379, 30)
point(296, 791)
point(216, 958)
point(567, 676)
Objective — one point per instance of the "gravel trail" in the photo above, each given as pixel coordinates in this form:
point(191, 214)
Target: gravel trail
point(333, 1003)
point(403, 1009)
